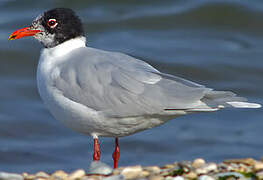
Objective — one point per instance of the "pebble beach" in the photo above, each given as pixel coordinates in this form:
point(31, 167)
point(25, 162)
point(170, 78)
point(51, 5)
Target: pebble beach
point(198, 169)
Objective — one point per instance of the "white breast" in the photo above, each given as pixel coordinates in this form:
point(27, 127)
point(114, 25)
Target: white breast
point(72, 114)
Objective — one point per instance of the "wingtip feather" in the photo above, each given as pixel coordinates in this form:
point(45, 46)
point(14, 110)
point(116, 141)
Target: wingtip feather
point(239, 104)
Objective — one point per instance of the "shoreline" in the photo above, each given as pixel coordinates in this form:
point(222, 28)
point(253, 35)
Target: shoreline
point(197, 169)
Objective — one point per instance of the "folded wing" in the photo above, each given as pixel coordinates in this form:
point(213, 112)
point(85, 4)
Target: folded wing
point(119, 85)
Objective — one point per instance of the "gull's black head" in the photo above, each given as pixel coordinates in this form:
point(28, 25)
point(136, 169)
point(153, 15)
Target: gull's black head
point(57, 26)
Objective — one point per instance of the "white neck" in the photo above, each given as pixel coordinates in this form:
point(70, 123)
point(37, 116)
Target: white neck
point(66, 47)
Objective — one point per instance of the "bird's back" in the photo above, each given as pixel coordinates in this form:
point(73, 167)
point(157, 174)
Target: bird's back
point(119, 85)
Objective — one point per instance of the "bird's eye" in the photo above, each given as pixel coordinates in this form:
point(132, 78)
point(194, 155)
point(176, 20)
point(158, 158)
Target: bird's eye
point(52, 23)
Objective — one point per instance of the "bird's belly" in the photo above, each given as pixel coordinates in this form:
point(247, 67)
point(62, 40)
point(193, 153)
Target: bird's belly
point(117, 127)
point(73, 115)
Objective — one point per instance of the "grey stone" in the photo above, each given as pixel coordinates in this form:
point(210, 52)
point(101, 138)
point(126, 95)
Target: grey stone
point(9, 176)
point(206, 177)
point(259, 175)
point(226, 174)
point(174, 178)
point(97, 167)
point(206, 168)
point(178, 178)
point(116, 177)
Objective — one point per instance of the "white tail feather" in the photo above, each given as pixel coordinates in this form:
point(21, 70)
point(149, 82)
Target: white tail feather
point(202, 110)
point(239, 104)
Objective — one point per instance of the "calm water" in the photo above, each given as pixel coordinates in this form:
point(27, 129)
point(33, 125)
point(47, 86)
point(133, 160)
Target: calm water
point(215, 43)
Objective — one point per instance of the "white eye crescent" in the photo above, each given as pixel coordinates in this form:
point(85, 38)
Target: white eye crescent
point(52, 23)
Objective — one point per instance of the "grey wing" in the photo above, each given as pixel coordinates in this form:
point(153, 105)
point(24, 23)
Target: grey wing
point(119, 85)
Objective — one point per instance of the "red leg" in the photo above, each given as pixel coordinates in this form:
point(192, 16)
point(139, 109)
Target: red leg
point(96, 154)
point(116, 153)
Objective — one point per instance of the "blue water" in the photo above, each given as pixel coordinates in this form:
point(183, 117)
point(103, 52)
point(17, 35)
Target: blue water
point(215, 43)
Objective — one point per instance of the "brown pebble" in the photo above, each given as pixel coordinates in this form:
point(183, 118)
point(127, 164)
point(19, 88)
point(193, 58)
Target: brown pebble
point(59, 175)
point(168, 166)
point(145, 174)
point(191, 175)
point(24, 174)
point(93, 177)
point(42, 174)
point(41, 178)
point(248, 161)
point(76, 174)
point(197, 163)
point(258, 166)
point(153, 169)
point(29, 177)
point(243, 168)
point(156, 177)
point(132, 172)
point(206, 168)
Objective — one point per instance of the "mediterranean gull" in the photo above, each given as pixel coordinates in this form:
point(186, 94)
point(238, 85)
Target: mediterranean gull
point(102, 93)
